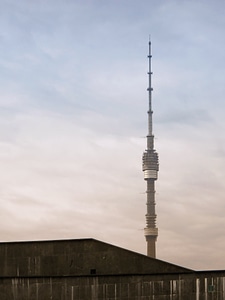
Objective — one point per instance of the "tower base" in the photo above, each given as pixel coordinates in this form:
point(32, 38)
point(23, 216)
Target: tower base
point(151, 246)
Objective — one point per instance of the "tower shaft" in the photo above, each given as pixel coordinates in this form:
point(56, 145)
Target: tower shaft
point(150, 166)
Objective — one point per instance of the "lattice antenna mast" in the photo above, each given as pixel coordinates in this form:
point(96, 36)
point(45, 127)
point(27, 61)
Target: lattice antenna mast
point(150, 167)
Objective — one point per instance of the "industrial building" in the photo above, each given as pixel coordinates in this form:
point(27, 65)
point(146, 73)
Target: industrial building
point(87, 269)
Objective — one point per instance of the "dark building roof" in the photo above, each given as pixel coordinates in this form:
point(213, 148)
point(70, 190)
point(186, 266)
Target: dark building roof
point(80, 257)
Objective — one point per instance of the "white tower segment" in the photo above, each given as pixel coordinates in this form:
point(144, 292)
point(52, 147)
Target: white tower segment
point(150, 166)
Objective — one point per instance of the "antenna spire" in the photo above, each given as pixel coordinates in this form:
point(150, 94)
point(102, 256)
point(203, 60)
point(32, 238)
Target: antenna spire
point(150, 167)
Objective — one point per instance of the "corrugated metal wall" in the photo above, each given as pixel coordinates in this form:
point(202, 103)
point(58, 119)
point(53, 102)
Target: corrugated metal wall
point(135, 287)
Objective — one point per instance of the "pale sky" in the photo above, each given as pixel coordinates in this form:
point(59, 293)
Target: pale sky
point(73, 116)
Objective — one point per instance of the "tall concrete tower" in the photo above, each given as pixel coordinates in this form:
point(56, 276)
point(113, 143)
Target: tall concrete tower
point(150, 167)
